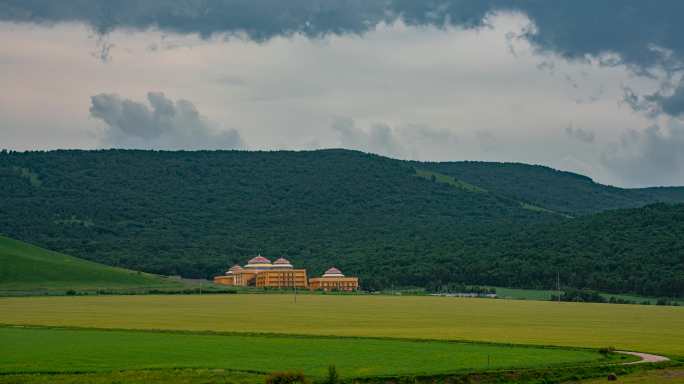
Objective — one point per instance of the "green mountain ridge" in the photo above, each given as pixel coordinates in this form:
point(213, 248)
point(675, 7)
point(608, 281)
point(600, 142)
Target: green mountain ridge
point(552, 189)
point(390, 222)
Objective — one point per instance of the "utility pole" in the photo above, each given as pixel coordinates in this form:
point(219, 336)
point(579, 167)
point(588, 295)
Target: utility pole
point(558, 285)
point(294, 282)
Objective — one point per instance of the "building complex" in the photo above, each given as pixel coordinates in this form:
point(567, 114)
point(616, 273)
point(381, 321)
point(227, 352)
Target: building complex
point(260, 272)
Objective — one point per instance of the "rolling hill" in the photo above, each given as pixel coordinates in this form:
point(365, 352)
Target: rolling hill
point(388, 221)
point(637, 250)
point(28, 268)
point(560, 191)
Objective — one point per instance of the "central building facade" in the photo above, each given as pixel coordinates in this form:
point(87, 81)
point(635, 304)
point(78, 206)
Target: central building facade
point(260, 272)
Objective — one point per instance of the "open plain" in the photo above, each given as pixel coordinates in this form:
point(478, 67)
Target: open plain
point(630, 327)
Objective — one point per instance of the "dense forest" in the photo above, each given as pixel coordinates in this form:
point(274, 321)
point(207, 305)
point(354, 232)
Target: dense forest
point(390, 222)
point(560, 191)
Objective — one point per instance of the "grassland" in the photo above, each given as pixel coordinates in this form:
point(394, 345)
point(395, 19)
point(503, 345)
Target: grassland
point(156, 376)
point(441, 178)
point(632, 327)
point(69, 350)
point(29, 268)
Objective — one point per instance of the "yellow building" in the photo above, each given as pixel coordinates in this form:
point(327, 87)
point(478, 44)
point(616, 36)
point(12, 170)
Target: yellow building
point(260, 272)
point(334, 280)
point(229, 277)
point(282, 275)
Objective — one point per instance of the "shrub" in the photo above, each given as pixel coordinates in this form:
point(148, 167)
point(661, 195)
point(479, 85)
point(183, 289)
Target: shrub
point(333, 376)
point(606, 350)
point(287, 377)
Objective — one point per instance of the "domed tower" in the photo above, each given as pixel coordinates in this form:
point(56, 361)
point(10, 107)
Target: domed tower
point(333, 272)
point(229, 278)
point(259, 262)
point(334, 280)
point(233, 270)
point(282, 263)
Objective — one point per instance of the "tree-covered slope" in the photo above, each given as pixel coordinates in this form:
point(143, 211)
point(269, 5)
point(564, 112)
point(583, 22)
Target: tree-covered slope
point(194, 213)
point(26, 267)
point(639, 250)
point(390, 222)
point(559, 191)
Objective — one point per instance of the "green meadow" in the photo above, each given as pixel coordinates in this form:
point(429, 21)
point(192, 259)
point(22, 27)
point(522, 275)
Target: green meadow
point(68, 350)
point(632, 327)
point(29, 268)
point(152, 376)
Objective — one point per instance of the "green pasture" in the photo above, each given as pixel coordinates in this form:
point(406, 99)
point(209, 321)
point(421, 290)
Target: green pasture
point(154, 376)
point(29, 268)
point(632, 327)
point(70, 350)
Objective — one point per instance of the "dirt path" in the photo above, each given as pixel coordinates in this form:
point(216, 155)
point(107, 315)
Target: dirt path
point(645, 357)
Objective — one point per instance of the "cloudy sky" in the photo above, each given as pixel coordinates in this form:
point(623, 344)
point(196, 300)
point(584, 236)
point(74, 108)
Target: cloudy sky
point(594, 87)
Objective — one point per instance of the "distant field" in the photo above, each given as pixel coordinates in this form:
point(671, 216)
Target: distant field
point(29, 268)
point(526, 294)
point(154, 376)
point(633, 327)
point(540, 294)
point(64, 350)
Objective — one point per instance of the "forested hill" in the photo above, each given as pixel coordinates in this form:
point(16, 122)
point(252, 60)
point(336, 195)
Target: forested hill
point(560, 191)
point(637, 250)
point(196, 213)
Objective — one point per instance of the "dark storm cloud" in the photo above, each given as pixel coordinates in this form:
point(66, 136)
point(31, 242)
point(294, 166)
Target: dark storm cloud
point(259, 20)
point(640, 34)
point(643, 34)
point(672, 104)
point(167, 125)
point(667, 101)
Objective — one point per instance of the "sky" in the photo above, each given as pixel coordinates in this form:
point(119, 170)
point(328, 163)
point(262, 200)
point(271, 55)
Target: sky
point(593, 87)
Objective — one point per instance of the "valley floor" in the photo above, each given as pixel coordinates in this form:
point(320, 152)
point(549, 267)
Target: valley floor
point(238, 339)
point(653, 329)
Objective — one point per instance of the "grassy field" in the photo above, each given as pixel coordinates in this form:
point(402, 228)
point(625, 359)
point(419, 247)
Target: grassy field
point(632, 327)
point(157, 376)
point(69, 350)
point(524, 294)
point(29, 268)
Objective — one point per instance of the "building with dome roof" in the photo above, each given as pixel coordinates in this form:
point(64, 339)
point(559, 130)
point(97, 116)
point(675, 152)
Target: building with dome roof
point(334, 280)
point(282, 263)
point(260, 272)
point(259, 262)
point(229, 277)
